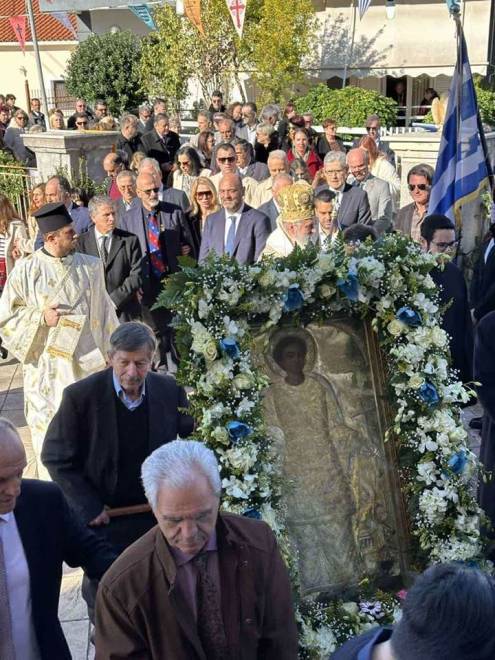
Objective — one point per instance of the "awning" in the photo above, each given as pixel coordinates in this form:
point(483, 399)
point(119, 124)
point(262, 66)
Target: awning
point(414, 72)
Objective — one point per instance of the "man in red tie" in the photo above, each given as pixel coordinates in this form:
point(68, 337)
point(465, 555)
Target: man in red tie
point(164, 235)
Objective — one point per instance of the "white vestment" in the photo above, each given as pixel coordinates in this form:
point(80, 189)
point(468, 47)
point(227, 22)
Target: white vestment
point(278, 244)
point(53, 358)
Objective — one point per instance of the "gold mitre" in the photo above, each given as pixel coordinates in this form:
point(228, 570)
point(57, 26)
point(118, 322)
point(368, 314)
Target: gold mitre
point(296, 202)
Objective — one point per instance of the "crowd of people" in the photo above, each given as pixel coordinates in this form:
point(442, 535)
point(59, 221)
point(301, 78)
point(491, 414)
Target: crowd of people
point(80, 279)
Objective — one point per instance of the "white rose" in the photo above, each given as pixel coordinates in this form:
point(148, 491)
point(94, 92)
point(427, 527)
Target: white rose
point(243, 382)
point(325, 291)
point(416, 381)
point(396, 327)
point(350, 607)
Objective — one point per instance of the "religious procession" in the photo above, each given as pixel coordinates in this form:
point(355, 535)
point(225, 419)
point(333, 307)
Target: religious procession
point(247, 331)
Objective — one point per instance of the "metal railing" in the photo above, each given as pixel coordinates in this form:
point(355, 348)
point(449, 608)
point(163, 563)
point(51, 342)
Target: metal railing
point(16, 183)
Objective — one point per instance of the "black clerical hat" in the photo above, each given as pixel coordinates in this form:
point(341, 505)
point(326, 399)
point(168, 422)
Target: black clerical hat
point(51, 217)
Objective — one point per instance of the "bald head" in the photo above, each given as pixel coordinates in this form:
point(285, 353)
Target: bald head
point(357, 161)
point(113, 164)
point(231, 192)
point(147, 189)
point(12, 464)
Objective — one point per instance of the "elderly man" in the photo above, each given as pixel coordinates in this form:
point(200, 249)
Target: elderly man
point(296, 222)
point(220, 588)
point(161, 143)
point(226, 131)
point(245, 164)
point(248, 129)
point(272, 208)
point(373, 130)
point(126, 183)
point(101, 110)
point(237, 229)
point(277, 164)
point(120, 254)
point(81, 108)
point(55, 318)
point(351, 202)
point(226, 160)
point(170, 195)
point(204, 124)
point(378, 191)
point(410, 217)
point(145, 118)
point(136, 411)
point(129, 140)
point(38, 533)
point(113, 163)
point(164, 235)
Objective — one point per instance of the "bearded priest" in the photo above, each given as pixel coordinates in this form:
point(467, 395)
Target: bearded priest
point(56, 318)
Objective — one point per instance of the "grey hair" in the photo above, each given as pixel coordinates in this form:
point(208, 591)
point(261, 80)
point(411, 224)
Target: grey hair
point(423, 169)
point(270, 110)
point(283, 177)
point(161, 116)
point(96, 202)
point(128, 120)
point(335, 157)
point(144, 106)
point(265, 129)
point(149, 161)
point(132, 336)
point(277, 154)
point(205, 114)
point(225, 121)
point(176, 465)
point(125, 174)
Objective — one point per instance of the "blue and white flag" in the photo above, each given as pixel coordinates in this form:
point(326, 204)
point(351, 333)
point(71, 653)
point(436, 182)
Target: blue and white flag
point(63, 18)
point(463, 167)
point(363, 6)
point(144, 14)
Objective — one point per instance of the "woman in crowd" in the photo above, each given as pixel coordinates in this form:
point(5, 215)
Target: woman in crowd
point(380, 167)
point(25, 244)
point(206, 143)
point(234, 111)
point(299, 170)
point(11, 229)
point(57, 121)
point(187, 169)
point(136, 159)
point(204, 201)
point(329, 140)
point(301, 149)
point(266, 141)
point(13, 139)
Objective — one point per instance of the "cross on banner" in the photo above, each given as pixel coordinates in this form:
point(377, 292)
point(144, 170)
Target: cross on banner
point(18, 24)
point(237, 10)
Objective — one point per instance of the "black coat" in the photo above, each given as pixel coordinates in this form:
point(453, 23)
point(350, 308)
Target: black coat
point(484, 373)
point(80, 449)
point(482, 290)
point(51, 535)
point(129, 147)
point(162, 151)
point(122, 270)
point(457, 318)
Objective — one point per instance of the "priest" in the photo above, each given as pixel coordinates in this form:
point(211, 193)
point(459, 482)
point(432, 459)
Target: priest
point(56, 318)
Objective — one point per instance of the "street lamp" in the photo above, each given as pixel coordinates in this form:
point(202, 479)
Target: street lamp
point(390, 9)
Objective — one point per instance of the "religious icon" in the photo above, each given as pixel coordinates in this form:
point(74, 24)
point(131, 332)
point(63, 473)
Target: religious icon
point(341, 485)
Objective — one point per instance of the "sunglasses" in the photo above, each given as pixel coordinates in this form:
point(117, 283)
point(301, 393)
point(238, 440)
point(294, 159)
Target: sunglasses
point(227, 159)
point(419, 186)
point(81, 123)
point(204, 193)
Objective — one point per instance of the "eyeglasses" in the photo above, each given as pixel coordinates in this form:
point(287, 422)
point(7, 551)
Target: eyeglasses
point(204, 193)
point(150, 190)
point(227, 159)
point(445, 246)
point(81, 123)
point(419, 186)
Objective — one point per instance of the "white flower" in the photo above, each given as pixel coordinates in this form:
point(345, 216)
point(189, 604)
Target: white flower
point(396, 327)
point(243, 381)
point(427, 472)
point(241, 457)
point(326, 262)
point(244, 407)
point(203, 309)
point(240, 489)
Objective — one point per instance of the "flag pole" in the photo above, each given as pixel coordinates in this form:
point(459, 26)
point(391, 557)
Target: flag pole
point(36, 50)
point(348, 60)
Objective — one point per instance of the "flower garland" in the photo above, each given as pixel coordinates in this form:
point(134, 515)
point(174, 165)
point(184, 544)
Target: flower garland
point(217, 308)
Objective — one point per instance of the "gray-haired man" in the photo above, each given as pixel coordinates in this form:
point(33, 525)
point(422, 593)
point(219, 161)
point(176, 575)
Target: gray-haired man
point(106, 426)
point(202, 584)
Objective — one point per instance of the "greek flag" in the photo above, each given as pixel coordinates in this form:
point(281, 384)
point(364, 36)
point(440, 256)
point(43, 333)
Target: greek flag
point(363, 7)
point(463, 167)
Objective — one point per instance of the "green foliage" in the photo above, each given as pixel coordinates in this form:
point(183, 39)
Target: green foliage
point(14, 181)
point(280, 41)
point(348, 107)
point(80, 179)
point(106, 66)
point(486, 102)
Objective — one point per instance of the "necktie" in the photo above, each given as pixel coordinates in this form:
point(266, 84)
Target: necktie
point(156, 258)
point(211, 631)
point(7, 651)
point(229, 243)
point(104, 249)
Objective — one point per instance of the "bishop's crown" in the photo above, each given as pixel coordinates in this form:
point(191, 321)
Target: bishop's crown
point(296, 202)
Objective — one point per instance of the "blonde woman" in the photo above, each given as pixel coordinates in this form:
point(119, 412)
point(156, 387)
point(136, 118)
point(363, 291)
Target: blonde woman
point(11, 229)
point(36, 201)
point(136, 161)
point(204, 201)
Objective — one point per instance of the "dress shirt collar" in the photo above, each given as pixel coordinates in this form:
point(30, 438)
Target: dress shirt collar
point(99, 236)
point(131, 404)
point(182, 558)
point(6, 517)
point(337, 190)
point(236, 215)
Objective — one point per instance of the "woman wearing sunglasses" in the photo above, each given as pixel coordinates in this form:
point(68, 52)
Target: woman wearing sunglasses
point(410, 218)
point(204, 200)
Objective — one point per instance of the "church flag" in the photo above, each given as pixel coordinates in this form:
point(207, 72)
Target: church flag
point(144, 14)
point(18, 24)
point(192, 9)
point(237, 10)
point(63, 18)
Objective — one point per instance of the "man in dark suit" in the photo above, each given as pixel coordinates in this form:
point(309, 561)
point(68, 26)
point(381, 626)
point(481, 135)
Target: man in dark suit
point(126, 183)
point(352, 203)
point(120, 254)
point(38, 533)
point(36, 117)
point(164, 235)
point(81, 108)
point(244, 160)
point(145, 122)
point(482, 291)
point(161, 143)
point(129, 140)
point(170, 195)
point(271, 208)
point(105, 427)
point(236, 230)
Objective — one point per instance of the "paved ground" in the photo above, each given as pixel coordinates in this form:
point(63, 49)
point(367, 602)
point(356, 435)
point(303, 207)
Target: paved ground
point(72, 611)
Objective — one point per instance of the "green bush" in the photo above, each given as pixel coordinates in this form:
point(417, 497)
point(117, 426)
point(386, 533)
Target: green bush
point(349, 106)
point(105, 66)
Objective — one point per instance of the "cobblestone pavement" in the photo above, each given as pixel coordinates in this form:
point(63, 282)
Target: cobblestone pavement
point(72, 610)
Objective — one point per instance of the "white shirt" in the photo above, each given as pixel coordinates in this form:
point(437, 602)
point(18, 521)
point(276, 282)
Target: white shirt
point(99, 241)
point(19, 590)
point(251, 134)
point(228, 221)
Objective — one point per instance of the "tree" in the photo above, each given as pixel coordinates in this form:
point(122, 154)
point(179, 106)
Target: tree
point(106, 66)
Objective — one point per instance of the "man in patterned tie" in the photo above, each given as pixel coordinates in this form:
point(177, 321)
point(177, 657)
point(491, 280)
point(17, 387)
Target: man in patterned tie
point(202, 584)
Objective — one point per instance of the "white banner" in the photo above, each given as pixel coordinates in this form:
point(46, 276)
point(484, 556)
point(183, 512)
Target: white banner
point(237, 10)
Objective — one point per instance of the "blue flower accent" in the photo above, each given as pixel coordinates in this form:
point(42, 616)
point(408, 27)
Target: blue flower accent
point(429, 394)
point(409, 317)
point(230, 347)
point(349, 287)
point(238, 431)
point(294, 298)
point(458, 461)
point(252, 513)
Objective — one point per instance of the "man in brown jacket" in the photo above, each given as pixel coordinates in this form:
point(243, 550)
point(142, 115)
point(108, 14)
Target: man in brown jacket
point(201, 585)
